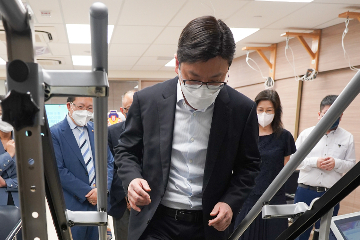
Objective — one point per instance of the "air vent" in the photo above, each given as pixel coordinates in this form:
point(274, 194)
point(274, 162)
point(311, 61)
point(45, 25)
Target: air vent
point(50, 61)
point(42, 35)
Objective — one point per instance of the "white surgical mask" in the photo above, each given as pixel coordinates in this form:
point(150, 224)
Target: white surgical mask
point(200, 98)
point(5, 127)
point(82, 117)
point(265, 119)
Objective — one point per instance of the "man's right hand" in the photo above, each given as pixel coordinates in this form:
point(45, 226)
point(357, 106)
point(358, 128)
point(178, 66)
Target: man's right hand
point(10, 148)
point(137, 193)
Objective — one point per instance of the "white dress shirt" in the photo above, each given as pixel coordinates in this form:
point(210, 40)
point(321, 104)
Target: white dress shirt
point(76, 133)
point(338, 144)
point(188, 155)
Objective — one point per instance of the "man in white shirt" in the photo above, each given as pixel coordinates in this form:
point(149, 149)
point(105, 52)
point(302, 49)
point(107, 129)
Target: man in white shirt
point(333, 156)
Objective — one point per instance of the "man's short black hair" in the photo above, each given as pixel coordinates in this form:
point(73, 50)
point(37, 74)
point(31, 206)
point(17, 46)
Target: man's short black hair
point(204, 38)
point(327, 101)
point(70, 99)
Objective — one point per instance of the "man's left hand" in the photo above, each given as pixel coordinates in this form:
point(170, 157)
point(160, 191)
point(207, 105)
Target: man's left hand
point(223, 214)
point(328, 164)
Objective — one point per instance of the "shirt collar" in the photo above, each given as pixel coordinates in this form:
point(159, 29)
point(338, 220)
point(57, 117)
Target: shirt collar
point(179, 94)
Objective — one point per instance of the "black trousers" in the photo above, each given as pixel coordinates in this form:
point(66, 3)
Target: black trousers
point(164, 227)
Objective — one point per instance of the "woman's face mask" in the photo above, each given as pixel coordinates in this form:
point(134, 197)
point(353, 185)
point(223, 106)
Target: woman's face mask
point(265, 119)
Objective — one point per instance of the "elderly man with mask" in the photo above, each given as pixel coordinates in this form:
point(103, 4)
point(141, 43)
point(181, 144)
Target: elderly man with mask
point(332, 157)
point(73, 140)
point(189, 155)
point(120, 208)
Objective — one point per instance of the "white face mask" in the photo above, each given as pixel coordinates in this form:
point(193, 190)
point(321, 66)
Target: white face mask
point(5, 127)
point(82, 117)
point(200, 98)
point(265, 119)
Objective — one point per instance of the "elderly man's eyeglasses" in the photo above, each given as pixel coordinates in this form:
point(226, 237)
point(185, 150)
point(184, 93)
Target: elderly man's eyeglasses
point(194, 84)
point(82, 107)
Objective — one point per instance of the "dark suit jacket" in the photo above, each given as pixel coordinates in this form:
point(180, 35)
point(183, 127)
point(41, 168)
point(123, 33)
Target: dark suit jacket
point(117, 194)
point(232, 160)
point(73, 174)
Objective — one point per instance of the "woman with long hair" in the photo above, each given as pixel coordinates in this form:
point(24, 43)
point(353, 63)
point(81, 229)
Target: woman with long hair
point(276, 144)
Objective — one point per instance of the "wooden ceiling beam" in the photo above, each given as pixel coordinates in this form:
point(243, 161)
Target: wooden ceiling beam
point(271, 62)
point(348, 14)
point(314, 50)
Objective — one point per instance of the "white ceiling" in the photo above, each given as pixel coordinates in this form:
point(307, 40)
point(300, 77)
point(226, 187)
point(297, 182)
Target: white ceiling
point(146, 32)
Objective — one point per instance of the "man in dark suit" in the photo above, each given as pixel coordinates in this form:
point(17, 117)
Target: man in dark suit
point(73, 140)
point(120, 209)
point(189, 155)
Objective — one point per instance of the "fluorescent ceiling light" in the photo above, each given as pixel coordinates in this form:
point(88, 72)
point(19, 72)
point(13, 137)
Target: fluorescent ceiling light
point(2, 61)
point(80, 33)
point(284, 0)
point(82, 60)
point(171, 63)
point(241, 33)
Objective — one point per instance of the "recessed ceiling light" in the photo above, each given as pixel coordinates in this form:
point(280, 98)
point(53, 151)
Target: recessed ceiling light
point(171, 63)
point(82, 60)
point(2, 61)
point(241, 33)
point(284, 0)
point(80, 33)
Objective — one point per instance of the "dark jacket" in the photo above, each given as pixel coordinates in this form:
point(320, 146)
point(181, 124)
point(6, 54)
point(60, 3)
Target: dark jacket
point(117, 194)
point(232, 161)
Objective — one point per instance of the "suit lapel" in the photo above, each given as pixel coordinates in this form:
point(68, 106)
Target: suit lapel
point(219, 127)
point(166, 110)
point(70, 139)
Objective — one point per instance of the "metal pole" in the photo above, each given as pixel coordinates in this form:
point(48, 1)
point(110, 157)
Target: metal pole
point(14, 13)
point(99, 52)
point(325, 225)
point(342, 102)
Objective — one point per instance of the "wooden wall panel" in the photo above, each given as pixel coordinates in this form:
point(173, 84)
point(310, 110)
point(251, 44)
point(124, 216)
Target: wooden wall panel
point(251, 91)
point(302, 59)
point(146, 83)
point(241, 74)
point(117, 90)
point(287, 90)
point(331, 51)
point(326, 83)
point(57, 100)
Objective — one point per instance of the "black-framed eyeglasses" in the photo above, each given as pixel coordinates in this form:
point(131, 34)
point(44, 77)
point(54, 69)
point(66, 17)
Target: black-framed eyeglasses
point(194, 84)
point(126, 109)
point(81, 107)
